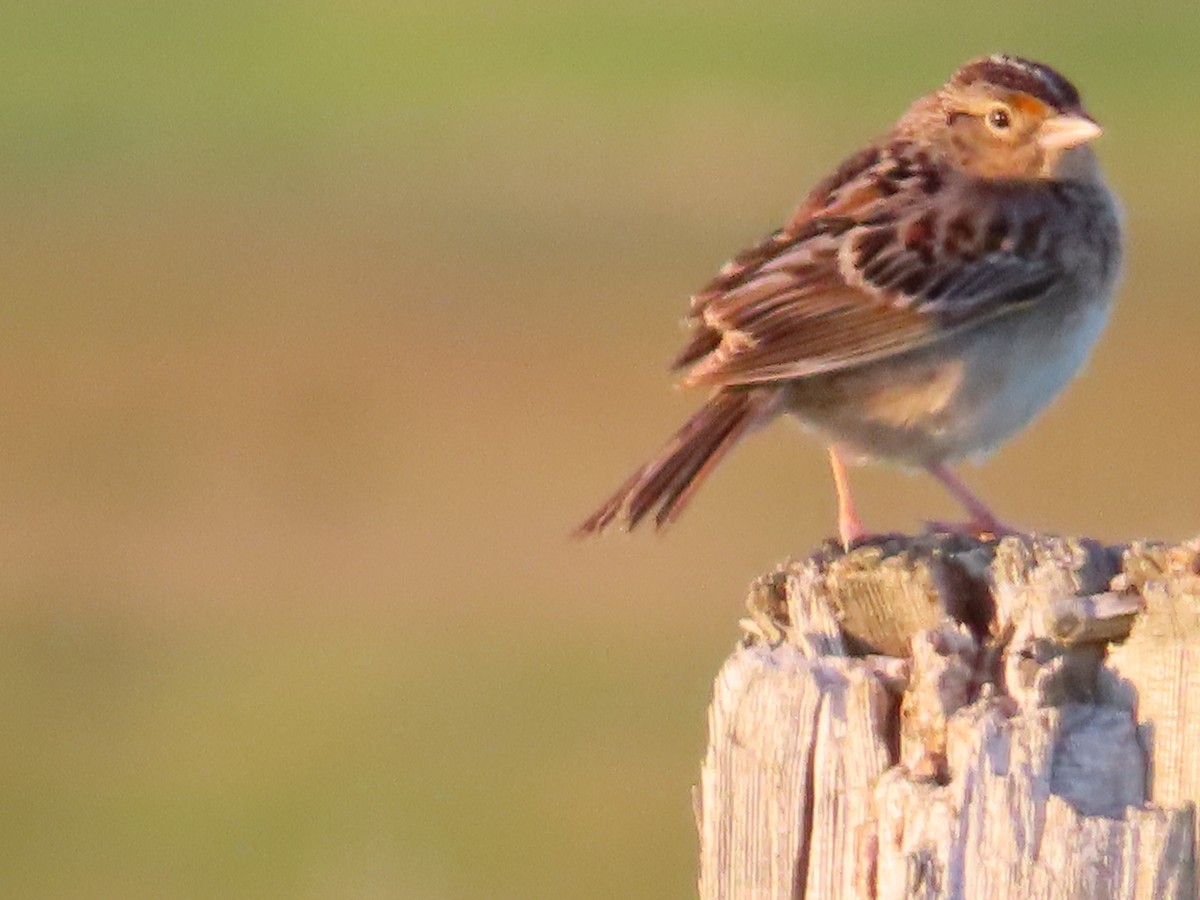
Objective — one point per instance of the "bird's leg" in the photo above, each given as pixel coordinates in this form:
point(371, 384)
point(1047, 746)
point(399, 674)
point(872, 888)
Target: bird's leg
point(982, 520)
point(850, 527)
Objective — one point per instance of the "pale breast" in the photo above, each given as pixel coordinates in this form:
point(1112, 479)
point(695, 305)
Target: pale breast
point(959, 399)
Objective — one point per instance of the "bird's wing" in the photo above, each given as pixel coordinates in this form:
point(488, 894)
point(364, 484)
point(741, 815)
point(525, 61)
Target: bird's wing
point(889, 254)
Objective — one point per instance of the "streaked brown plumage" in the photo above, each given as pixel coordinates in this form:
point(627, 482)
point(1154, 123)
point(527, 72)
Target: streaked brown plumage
point(923, 303)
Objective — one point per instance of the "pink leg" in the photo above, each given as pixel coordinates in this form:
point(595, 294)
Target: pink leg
point(850, 527)
point(982, 520)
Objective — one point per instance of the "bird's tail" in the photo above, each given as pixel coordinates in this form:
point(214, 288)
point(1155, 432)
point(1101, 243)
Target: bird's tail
point(666, 483)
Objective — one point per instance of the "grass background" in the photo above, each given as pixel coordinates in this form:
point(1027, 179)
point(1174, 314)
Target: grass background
point(324, 322)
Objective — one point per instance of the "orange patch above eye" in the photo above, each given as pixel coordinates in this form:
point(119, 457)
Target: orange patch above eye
point(1029, 105)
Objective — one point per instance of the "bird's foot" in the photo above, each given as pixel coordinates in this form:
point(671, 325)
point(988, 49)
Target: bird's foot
point(851, 532)
point(980, 527)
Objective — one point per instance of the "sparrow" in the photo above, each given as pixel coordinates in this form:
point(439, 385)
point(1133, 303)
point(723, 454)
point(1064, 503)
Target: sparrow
point(922, 305)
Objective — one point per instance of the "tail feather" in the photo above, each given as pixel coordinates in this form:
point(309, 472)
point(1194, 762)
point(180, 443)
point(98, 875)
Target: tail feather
point(666, 484)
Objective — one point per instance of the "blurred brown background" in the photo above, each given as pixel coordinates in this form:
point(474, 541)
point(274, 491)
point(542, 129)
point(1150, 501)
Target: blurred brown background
point(326, 322)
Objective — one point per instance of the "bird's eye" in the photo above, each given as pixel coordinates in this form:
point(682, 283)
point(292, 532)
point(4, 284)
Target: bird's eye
point(998, 118)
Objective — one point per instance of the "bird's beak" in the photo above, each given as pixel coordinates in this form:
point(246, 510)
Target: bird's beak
point(1068, 130)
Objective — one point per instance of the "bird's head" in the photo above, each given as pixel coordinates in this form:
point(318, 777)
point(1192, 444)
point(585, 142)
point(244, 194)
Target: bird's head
point(1006, 117)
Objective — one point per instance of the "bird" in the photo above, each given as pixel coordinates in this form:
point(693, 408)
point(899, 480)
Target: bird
point(923, 303)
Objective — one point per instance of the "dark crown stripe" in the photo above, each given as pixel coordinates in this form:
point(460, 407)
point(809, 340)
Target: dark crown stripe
point(1024, 75)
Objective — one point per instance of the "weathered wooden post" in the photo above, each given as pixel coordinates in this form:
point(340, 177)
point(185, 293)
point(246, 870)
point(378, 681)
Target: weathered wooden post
point(939, 717)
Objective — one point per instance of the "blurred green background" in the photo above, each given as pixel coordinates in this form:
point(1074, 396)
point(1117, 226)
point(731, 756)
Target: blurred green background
point(325, 322)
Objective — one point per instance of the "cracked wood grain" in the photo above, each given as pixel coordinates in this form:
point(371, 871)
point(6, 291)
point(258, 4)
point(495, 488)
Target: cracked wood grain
point(940, 717)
